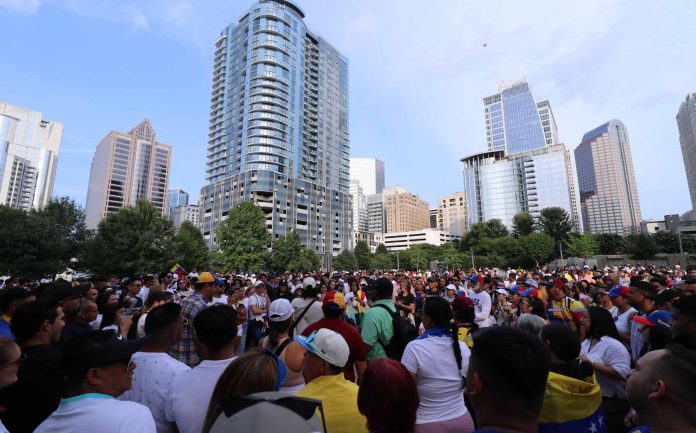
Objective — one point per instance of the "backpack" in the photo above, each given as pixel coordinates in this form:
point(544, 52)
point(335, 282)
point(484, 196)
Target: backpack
point(404, 333)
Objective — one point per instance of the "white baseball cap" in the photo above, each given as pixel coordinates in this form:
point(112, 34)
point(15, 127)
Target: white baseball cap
point(309, 281)
point(327, 345)
point(451, 287)
point(280, 310)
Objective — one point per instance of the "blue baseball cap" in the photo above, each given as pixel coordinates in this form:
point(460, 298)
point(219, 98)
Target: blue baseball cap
point(617, 291)
point(660, 318)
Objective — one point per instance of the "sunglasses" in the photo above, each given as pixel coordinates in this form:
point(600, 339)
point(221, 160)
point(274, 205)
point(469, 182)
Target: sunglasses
point(304, 407)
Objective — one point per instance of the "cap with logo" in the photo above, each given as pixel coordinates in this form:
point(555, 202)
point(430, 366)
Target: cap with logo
point(660, 318)
point(327, 345)
point(617, 291)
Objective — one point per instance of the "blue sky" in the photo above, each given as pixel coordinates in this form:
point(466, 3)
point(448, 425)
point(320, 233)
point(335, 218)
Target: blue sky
point(418, 73)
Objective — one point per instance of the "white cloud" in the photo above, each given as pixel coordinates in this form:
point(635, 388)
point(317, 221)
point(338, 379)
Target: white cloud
point(21, 6)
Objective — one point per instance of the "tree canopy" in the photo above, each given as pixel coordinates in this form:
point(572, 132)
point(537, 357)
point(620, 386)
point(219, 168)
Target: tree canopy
point(243, 238)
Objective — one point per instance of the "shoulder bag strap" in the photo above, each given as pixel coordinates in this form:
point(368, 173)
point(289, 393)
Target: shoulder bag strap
point(292, 328)
point(282, 346)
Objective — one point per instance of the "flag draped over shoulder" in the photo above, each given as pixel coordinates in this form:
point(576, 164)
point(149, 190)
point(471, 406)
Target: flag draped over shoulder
point(571, 406)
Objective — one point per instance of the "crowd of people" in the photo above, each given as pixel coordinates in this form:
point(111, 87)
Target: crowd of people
point(490, 351)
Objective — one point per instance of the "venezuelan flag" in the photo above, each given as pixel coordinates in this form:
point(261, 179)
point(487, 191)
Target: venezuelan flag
point(571, 406)
point(177, 269)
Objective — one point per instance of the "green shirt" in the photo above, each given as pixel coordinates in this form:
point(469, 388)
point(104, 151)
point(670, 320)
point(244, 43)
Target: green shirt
point(377, 329)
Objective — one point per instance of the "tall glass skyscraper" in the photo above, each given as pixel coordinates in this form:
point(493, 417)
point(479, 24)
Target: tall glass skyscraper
point(515, 122)
point(176, 197)
point(607, 182)
point(279, 129)
point(525, 169)
point(29, 148)
point(686, 122)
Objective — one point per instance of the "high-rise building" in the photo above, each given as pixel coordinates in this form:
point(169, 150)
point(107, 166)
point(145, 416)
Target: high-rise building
point(359, 202)
point(499, 186)
point(185, 213)
point(686, 122)
point(406, 212)
point(434, 218)
point(607, 182)
point(515, 122)
point(279, 129)
point(29, 148)
point(176, 197)
point(376, 213)
point(451, 215)
point(369, 172)
point(126, 167)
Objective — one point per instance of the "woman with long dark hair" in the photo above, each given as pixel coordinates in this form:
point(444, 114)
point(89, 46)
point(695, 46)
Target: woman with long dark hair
point(611, 362)
point(439, 361)
point(280, 342)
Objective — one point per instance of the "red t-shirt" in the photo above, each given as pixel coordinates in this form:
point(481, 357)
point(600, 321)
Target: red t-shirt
point(352, 337)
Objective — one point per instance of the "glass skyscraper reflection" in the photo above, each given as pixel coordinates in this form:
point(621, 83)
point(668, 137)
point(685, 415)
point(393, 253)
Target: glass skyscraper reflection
point(686, 122)
point(279, 129)
point(525, 169)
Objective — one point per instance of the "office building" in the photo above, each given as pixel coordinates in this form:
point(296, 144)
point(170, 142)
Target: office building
point(434, 218)
point(686, 122)
point(359, 203)
point(127, 167)
point(451, 214)
point(606, 181)
point(185, 213)
point(406, 212)
point(499, 186)
point(369, 172)
point(376, 213)
point(29, 149)
point(176, 197)
point(399, 241)
point(515, 122)
point(279, 129)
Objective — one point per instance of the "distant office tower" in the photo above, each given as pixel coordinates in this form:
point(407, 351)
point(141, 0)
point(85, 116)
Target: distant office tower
point(607, 182)
point(376, 214)
point(185, 213)
point(29, 148)
point(451, 215)
point(514, 120)
point(406, 212)
point(127, 167)
point(686, 122)
point(359, 203)
point(279, 129)
point(176, 197)
point(434, 218)
point(499, 186)
point(369, 172)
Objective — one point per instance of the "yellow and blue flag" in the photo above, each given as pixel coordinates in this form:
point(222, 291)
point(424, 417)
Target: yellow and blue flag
point(177, 269)
point(572, 406)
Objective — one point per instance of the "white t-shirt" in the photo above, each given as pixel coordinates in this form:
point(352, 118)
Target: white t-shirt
point(190, 394)
point(140, 328)
point(313, 314)
point(482, 307)
point(624, 321)
point(222, 299)
point(612, 353)
point(438, 380)
point(98, 413)
point(637, 340)
point(152, 378)
point(259, 302)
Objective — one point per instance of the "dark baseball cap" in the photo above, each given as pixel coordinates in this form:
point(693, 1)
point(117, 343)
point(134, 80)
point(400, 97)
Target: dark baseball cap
point(97, 349)
point(62, 290)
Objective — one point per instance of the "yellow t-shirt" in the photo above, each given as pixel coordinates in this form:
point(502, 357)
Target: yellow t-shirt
point(340, 400)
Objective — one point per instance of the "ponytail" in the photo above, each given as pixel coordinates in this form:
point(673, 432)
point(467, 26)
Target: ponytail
point(454, 329)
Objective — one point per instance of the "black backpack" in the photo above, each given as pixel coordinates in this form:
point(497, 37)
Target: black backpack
point(404, 333)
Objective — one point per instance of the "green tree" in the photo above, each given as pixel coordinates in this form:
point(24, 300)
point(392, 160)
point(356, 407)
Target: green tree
point(641, 247)
point(134, 240)
point(41, 242)
point(362, 255)
point(522, 225)
point(584, 246)
point(383, 259)
point(190, 247)
point(666, 242)
point(490, 229)
point(538, 247)
point(305, 261)
point(345, 261)
point(555, 222)
point(243, 238)
point(284, 250)
point(610, 243)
